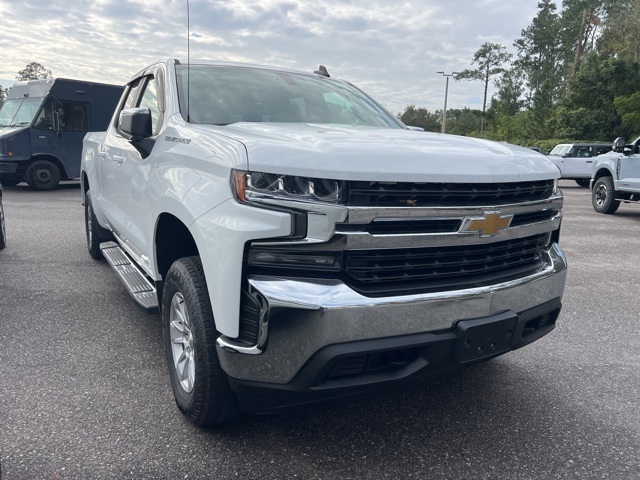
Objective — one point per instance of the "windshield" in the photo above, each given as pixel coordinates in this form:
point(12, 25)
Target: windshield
point(222, 95)
point(19, 111)
point(560, 149)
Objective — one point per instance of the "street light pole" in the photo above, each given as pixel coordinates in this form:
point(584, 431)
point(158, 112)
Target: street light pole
point(446, 94)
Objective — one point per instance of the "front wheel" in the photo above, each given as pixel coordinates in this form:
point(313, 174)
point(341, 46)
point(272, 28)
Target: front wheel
point(200, 386)
point(603, 196)
point(43, 175)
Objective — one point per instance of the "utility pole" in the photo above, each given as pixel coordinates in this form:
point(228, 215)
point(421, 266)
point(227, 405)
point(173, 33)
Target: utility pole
point(446, 93)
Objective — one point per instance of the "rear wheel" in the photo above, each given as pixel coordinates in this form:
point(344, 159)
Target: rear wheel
point(200, 386)
point(602, 196)
point(583, 182)
point(43, 175)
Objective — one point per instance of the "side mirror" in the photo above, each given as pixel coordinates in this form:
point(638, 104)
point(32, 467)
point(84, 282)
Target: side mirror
point(135, 124)
point(619, 144)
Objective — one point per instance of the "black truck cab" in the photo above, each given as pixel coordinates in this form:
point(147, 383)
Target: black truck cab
point(42, 125)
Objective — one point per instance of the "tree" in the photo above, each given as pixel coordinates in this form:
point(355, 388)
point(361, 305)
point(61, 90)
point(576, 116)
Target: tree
point(421, 117)
point(621, 34)
point(540, 60)
point(464, 121)
point(3, 95)
point(580, 21)
point(33, 71)
point(628, 107)
point(489, 57)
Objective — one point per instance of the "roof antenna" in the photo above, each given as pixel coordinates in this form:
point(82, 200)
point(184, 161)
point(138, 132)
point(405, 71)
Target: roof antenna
point(188, 64)
point(322, 70)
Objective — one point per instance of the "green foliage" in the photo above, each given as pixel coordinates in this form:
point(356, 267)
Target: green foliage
point(33, 71)
point(585, 123)
point(464, 121)
point(421, 117)
point(628, 108)
point(621, 35)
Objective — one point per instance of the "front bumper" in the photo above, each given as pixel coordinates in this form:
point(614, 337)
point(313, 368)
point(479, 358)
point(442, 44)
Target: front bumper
point(356, 368)
point(307, 316)
point(8, 167)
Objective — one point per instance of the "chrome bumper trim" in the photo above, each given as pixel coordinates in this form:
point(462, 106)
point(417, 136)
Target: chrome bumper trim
point(307, 315)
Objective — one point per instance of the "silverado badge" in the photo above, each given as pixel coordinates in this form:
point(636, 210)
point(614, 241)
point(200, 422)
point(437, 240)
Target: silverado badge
point(488, 225)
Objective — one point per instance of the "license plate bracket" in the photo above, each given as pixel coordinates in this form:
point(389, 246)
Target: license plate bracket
point(484, 337)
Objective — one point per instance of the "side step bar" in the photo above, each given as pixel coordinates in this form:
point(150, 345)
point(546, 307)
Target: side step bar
point(136, 283)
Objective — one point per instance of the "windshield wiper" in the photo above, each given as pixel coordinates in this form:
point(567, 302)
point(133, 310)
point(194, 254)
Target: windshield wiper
point(19, 124)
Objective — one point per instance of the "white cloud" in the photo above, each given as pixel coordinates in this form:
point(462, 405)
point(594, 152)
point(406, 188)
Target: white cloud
point(390, 49)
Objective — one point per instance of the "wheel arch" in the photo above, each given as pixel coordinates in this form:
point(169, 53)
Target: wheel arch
point(602, 171)
point(172, 240)
point(50, 158)
point(84, 183)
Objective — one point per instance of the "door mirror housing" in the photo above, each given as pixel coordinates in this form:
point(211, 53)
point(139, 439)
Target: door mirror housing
point(135, 125)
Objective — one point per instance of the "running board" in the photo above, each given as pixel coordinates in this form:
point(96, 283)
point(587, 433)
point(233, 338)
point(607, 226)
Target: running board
point(136, 283)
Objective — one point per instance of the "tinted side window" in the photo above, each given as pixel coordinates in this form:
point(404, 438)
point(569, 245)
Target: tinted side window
point(45, 119)
point(582, 152)
point(132, 95)
point(149, 100)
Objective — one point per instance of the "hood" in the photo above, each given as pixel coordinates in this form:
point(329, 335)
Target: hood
point(15, 140)
point(377, 154)
point(6, 132)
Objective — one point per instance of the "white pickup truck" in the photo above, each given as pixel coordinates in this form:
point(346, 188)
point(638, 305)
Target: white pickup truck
point(301, 244)
point(616, 177)
point(575, 160)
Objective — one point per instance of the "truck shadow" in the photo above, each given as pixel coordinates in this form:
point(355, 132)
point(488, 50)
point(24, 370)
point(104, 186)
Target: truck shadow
point(496, 410)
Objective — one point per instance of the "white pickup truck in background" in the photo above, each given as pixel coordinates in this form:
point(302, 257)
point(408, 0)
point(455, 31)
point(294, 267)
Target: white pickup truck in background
point(302, 245)
point(616, 177)
point(575, 160)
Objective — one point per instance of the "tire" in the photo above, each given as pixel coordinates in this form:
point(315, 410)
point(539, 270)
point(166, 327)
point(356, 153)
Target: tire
point(602, 196)
point(94, 232)
point(200, 386)
point(583, 182)
point(3, 230)
point(43, 175)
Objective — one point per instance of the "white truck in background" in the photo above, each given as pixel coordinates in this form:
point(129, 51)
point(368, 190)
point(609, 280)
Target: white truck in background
point(301, 244)
point(616, 177)
point(575, 160)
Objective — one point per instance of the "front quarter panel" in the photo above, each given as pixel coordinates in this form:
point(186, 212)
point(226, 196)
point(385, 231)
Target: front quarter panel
point(605, 165)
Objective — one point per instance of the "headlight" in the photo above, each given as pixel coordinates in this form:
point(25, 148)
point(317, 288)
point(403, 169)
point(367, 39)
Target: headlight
point(257, 185)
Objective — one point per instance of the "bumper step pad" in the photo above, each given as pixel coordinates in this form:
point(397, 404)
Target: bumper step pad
point(136, 283)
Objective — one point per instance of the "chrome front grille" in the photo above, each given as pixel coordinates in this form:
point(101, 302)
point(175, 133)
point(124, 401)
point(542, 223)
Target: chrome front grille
point(411, 194)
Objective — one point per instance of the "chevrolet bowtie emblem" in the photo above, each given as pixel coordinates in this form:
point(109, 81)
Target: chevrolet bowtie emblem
point(489, 225)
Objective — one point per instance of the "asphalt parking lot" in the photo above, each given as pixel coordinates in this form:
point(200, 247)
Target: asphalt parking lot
point(84, 392)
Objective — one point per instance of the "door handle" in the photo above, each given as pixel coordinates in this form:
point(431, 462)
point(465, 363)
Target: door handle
point(589, 161)
point(118, 159)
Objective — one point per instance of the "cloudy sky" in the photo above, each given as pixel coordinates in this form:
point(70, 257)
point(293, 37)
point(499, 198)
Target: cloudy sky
point(390, 48)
